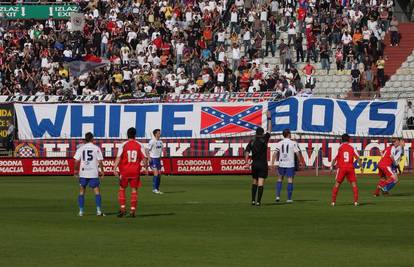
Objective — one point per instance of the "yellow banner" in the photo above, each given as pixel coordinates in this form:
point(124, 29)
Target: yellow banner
point(370, 164)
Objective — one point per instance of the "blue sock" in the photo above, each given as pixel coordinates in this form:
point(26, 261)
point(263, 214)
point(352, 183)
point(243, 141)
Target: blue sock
point(390, 186)
point(278, 188)
point(98, 200)
point(81, 202)
point(290, 190)
point(154, 182)
point(158, 182)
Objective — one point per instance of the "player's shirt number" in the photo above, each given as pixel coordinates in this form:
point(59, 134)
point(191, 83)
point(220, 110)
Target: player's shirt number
point(346, 157)
point(132, 155)
point(87, 155)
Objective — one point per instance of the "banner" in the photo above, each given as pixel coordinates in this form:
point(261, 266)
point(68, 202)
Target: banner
point(37, 11)
point(370, 164)
point(223, 97)
point(316, 151)
point(6, 115)
point(32, 99)
point(210, 120)
point(170, 166)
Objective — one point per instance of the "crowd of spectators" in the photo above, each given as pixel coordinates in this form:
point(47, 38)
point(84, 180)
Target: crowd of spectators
point(187, 46)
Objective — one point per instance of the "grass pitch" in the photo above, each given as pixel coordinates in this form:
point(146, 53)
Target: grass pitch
point(205, 221)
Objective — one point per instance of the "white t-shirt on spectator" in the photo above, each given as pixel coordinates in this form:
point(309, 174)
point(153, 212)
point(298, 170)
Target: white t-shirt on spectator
point(263, 16)
point(236, 53)
point(179, 48)
point(233, 17)
point(105, 38)
point(346, 39)
point(188, 16)
point(127, 74)
point(221, 56)
point(246, 36)
point(221, 37)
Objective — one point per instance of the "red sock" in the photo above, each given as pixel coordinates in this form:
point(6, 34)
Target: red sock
point(134, 200)
point(377, 191)
point(121, 198)
point(334, 193)
point(355, 189)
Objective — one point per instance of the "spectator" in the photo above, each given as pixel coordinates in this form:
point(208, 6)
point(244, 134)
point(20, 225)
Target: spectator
point(368, 80)
point(356, 79)
point(380, 71)
point(395, 38)
point(410, 116)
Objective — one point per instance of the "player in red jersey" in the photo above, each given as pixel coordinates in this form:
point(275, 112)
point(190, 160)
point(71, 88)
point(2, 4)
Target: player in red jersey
point(385, 166)
point(128, 160)
point(344, 161)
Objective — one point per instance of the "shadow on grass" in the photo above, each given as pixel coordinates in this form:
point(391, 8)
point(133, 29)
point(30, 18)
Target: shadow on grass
point(285, 203)
point(174, 192)
point(156, 214)
point(402, 195)
point(360, 204)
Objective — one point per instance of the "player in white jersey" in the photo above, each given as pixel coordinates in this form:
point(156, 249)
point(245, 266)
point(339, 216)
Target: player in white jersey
point(88, 168)
point(286, 149)
point(154, 152)
point(398, 153)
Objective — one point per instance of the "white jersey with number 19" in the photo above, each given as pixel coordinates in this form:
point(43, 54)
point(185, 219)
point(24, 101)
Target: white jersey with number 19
point(89, 156)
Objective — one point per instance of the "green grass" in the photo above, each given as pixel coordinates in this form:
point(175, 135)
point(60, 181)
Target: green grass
point(205, 221)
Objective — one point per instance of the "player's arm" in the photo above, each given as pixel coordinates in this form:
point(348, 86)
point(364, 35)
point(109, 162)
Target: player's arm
point(99, 157)
point(300, 159)
point(101, 169)
point(247, 153)
point(299, 155)
point(275, 156)
point(76, 166)
point(117, 160)
point(269, 121)
point(116, 164)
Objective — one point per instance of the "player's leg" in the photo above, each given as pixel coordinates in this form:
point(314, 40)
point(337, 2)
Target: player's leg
point(94, 184)
point(391, 180)
point(338, 181)
point(155, 177)
point(255, 177)
point(381, 181)
point(290, 173)
point(135, 184)
point(281, 172)
point(352, 179)
point(123, 184)
point(159, 176)
point(81, 198)
point(260, 188)
point(254, 190)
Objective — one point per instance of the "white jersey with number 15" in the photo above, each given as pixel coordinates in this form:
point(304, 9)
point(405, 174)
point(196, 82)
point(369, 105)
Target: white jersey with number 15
point(89, 156)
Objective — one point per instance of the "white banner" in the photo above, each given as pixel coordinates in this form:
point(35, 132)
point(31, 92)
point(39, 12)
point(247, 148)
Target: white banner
point(210, 120)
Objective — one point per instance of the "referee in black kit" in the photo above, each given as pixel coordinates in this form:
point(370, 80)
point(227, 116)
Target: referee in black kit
point(258, 147)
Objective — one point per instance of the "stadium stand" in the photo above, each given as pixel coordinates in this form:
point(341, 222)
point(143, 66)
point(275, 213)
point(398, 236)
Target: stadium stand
point(157, 47)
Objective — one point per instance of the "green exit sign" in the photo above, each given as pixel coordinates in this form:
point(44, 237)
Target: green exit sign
point(37, 11)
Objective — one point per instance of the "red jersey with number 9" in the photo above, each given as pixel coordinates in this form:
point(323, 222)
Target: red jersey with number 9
point(131, 153)
point(346, 156)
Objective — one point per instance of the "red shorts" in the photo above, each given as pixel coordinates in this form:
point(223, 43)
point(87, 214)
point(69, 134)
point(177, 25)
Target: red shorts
point(133, 182)
point(348, 173)
point(385, 171)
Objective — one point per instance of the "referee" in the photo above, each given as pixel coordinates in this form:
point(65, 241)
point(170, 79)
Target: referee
point(258, 148)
